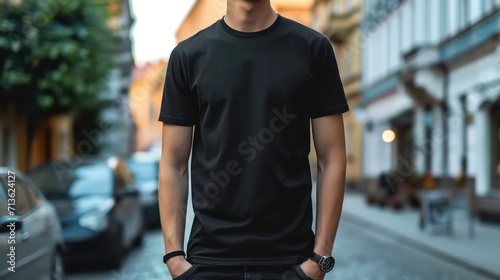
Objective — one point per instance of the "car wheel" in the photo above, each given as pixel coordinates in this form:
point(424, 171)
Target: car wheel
point(57, 267)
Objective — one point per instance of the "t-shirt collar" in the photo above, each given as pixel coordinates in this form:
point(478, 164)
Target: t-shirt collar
point(237, 33)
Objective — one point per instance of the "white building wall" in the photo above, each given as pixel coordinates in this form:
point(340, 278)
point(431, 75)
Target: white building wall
point(382, 52)
point(419, 22)
point(463, 80)
point(451, 17)
point(377, 54)
point(389, 106)
point(480, 71)
point(482, 124)
point(378, 154)
point(434, 19)
point(406, 31)
point(472, 157)
point(455, 137)
point(384, 49)
point(394, 51)
point(365, 57)
point(474, 11)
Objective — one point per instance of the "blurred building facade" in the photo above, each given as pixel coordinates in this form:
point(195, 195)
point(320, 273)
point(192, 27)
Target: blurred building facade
point(431, 74)
point(339, 21)
point(24, 145)
point(117, 127)
point(206, 12)
point(146, 93)
point(50, 140)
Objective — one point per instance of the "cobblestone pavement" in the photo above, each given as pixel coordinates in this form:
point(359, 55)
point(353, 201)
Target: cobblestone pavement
point(366, 255)
point(360, 255)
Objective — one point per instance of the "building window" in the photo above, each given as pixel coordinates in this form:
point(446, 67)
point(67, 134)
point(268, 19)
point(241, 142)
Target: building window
point(495, 124)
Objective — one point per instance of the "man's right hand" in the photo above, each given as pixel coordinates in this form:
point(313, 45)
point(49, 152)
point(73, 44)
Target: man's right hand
point(177, 266)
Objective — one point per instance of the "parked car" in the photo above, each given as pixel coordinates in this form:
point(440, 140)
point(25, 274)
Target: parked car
point(98, 205)
point(38, 240)
point(144, 169)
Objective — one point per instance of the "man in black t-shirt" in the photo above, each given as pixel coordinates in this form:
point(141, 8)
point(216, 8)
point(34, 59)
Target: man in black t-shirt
point(250, 85)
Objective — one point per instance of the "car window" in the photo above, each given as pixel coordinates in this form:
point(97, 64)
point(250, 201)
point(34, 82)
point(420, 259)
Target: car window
point(91, 179)
point(33, 197)
point(61, 182)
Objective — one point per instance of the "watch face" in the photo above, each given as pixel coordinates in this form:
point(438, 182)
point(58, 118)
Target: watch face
point(327, 263)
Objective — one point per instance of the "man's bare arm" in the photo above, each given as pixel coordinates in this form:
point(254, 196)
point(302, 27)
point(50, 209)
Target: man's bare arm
point(328, 136)
point(329, 141)
point(173, 191)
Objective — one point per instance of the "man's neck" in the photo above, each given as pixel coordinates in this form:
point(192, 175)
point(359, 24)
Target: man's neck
point(249, 15)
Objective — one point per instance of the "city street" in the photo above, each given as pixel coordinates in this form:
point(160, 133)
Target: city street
point(403, 94)
point(360, 255)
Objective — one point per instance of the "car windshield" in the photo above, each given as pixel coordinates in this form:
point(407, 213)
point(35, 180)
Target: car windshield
point(143, 171)
point(61, 181)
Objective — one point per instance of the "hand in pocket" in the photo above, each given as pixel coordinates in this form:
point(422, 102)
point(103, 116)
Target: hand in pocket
point(312, 270)
point(177, 266)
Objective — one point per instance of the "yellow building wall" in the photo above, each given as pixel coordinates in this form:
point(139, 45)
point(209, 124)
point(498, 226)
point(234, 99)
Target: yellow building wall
point(347, 51)
point(146, 92)
point(52, 140)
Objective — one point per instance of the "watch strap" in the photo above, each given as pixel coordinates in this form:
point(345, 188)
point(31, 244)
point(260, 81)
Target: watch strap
point(315, 257)
point(173, 254)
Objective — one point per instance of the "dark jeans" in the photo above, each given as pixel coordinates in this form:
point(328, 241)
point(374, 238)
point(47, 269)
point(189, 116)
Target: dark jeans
point(212, 272)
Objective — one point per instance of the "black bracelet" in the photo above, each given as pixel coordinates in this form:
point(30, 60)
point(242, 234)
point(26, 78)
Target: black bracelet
point(173, 254)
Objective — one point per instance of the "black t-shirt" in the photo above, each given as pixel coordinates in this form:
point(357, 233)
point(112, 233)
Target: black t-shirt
point(250, 97)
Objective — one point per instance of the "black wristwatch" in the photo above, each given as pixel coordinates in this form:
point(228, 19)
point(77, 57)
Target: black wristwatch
point(326, 263)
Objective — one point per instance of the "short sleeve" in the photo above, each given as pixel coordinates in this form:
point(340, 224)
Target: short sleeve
point(179, 105)
point(328, 95)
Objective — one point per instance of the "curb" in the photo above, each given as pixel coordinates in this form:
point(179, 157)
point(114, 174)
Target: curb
point(420, 246)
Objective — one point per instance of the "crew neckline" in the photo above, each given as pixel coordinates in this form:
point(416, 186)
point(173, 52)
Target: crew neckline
point(237, 33)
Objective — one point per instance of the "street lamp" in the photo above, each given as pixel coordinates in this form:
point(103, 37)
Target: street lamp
point(388, 136)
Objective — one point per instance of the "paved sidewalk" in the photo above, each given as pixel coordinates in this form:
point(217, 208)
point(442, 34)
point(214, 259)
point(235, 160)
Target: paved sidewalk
point(480, 253)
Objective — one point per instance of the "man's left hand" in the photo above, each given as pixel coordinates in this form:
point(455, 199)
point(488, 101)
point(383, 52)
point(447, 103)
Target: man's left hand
point(312, 269)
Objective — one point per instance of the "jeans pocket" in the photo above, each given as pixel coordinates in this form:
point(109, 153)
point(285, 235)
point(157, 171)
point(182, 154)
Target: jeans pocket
point(300, 273)
point(186, 273)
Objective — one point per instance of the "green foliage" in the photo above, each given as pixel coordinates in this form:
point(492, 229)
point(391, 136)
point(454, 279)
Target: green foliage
point(55, 55)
